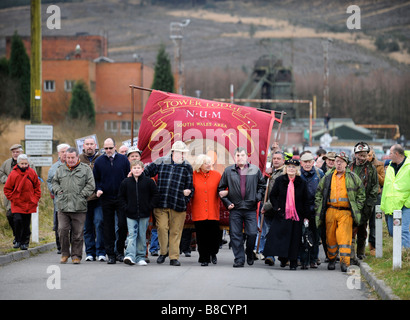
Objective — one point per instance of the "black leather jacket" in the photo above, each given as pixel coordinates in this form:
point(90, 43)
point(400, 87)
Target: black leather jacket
point(255, 187)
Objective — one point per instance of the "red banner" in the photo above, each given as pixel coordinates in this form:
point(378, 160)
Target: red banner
point(210, 127)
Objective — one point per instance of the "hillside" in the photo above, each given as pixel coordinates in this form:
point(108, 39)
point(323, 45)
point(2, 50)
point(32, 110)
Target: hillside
point(229, 33)
point(225, 38)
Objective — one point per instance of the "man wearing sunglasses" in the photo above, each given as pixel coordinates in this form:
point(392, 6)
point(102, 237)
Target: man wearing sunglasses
point(109, 171)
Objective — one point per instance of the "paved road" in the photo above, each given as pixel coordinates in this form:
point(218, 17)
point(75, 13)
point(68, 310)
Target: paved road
point(34, 278)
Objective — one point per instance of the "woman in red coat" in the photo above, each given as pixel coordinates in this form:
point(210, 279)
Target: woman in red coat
point(23, 190)
point(205, 209)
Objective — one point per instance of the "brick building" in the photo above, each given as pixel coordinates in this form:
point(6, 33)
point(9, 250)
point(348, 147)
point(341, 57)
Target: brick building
point(66, 59)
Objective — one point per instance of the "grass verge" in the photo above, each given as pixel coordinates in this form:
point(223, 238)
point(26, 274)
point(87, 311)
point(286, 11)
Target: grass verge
point(397, 280)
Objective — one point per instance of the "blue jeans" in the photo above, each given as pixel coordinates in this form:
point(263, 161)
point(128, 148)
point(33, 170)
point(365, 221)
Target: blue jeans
point(267, 221)
point(154, 241)
point(405, 225)
point(94, 230)
point(136, 240)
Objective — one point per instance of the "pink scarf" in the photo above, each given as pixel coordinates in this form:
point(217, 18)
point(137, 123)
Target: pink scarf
point(290, 211)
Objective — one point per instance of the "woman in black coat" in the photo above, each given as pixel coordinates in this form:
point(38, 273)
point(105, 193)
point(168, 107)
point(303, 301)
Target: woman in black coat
point(285, 234)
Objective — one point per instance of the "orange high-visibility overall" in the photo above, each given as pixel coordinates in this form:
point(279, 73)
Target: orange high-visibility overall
point(339, 221)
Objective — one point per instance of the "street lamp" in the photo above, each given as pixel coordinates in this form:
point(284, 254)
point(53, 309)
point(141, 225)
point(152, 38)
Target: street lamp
point(176, 36)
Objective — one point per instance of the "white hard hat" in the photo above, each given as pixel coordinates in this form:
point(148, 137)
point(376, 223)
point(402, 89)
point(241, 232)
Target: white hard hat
point(361, 146)
point(133, 149)
point(179, 146)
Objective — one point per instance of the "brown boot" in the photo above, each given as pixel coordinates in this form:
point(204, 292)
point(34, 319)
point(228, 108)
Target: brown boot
point(63, 259)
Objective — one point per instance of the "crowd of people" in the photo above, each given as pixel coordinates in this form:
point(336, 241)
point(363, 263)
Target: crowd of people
point(118, 207)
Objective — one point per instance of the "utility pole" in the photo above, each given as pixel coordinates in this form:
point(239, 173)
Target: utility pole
point(176, 36)
point(35, 63)
point(326, 103)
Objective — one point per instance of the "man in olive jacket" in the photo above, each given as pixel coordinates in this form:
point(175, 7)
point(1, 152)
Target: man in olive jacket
point(73, 183)
point(368, 174)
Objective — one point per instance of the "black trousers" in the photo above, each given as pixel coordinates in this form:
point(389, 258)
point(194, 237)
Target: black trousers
point(22, 223)
point(113, 246)
point(208, 239)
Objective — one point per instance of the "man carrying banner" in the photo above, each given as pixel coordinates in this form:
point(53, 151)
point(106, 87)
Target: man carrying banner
point(175, 186)
point(246, 188)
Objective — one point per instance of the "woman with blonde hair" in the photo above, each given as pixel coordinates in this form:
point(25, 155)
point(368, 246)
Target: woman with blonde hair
point(205, 209)
point(290, 206)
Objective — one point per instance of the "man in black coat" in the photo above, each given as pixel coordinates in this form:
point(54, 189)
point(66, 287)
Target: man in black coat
point(246, 187)
point(109, 171)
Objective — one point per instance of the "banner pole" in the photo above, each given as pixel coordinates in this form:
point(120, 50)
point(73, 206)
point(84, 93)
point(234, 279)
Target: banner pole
point(140, 88)
point(132, 116)
point(280, 125)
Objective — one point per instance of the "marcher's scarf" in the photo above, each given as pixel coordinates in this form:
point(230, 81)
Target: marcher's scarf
point(290, 211)
point(74, 166)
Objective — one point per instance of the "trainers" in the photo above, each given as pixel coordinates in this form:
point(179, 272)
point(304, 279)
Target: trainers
point(141, 263)
point(128, 260)
point(90, 258)
point(102, 258)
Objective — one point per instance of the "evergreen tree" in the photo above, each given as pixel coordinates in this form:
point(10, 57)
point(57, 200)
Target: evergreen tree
point(19, 70)
point(81, 104)
point(163, 78)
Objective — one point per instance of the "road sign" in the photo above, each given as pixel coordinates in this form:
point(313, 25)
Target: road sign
point(42, 161)
point(38, 132)
point(39, 147)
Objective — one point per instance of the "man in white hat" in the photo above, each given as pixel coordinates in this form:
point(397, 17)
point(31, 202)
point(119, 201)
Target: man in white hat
point(176, 188)
point(134, 153)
